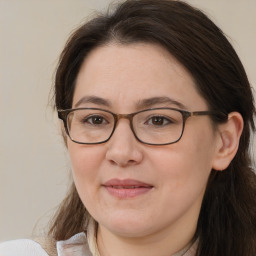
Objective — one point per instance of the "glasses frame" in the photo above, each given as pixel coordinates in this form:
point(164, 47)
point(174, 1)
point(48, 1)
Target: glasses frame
point(63, 114)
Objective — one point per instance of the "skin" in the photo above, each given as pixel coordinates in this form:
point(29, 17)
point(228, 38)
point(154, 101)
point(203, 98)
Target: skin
point(163, 220)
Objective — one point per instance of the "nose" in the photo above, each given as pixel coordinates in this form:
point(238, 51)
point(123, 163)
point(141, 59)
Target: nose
point(123, 148)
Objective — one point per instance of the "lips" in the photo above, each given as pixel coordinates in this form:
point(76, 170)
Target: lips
point(128, 188)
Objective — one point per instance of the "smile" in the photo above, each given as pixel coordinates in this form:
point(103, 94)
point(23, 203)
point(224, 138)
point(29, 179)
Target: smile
point(125, 189)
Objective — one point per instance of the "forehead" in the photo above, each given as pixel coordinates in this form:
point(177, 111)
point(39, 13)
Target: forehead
point(126, 74)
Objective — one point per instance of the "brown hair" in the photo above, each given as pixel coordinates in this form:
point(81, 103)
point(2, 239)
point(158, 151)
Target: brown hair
point(227, 221)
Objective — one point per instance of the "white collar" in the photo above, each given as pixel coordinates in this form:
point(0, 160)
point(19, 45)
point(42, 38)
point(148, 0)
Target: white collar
point(76, 246)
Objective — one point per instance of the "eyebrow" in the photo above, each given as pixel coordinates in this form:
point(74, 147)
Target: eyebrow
point(141, 104)
point(93, 99)
point(150, 102)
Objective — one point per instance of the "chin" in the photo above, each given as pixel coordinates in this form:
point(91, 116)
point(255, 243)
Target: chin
point(130, 231)
point(128, 226)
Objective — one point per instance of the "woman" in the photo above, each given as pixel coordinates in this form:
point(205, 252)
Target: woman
point(157, 115)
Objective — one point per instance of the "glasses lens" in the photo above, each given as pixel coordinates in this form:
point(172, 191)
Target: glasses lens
point(90, 125)
point(158, 126)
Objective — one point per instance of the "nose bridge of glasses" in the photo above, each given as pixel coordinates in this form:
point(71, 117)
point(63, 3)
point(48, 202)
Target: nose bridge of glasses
point(124, 116)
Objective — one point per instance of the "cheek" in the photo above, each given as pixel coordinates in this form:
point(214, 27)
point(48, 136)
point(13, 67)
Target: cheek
point(185, 165)
point(85, 162)
point(83, 157)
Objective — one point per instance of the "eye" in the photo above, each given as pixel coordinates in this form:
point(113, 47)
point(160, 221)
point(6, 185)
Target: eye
point(158, 121)
point(95, 120)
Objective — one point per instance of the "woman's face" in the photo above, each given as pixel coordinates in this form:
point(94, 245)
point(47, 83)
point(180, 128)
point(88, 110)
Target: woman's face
point(130, 188)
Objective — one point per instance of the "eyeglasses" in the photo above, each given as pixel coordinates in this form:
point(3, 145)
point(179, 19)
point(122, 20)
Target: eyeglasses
point(155, 126)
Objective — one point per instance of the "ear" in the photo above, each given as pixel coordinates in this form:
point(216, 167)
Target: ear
point(228, 141)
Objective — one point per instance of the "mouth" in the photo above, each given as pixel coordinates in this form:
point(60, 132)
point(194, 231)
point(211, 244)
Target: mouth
point(125, 189)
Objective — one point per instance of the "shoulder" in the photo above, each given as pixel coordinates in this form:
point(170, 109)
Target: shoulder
point(22, 247)
point(77, 245)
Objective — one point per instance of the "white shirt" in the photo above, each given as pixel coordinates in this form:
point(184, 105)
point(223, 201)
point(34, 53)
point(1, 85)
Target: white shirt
point(21, 247)
point(75, 246)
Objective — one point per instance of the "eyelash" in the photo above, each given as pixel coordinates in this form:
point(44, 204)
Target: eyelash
point(164, 119)
point(86, 120)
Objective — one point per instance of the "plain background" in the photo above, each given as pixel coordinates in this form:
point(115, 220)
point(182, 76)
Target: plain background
point(34, 165)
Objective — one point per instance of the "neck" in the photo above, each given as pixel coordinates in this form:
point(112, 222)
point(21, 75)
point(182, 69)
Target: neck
point(164, 243)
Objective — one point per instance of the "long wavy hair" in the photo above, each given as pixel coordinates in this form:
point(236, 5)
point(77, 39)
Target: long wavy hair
point(227, 220)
